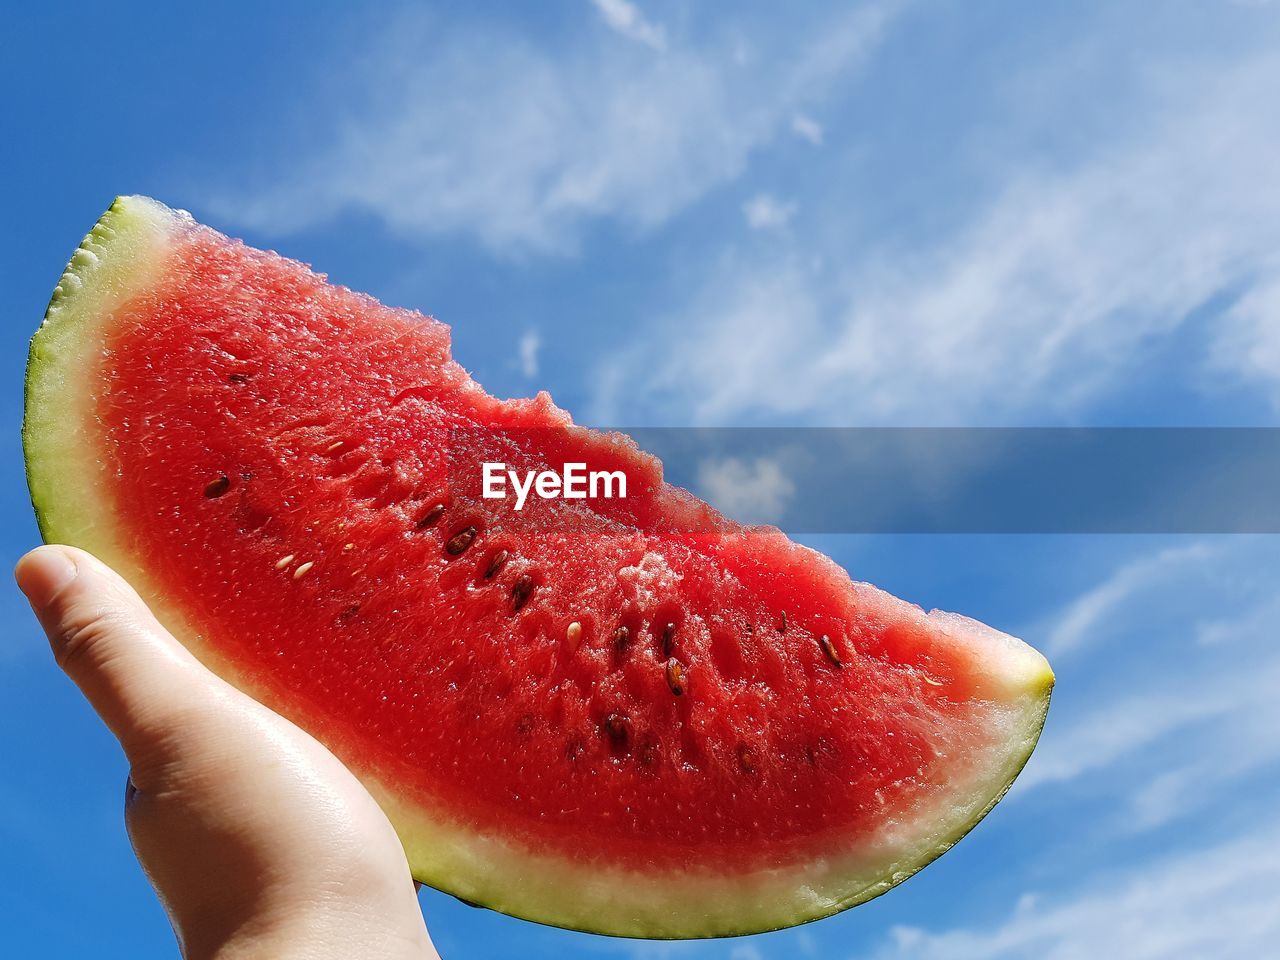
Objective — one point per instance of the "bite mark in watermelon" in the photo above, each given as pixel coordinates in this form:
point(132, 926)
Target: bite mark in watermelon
point(633, 717)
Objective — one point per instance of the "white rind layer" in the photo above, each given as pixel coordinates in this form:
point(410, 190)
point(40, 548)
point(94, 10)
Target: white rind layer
point(123, 256)
point(602, 898)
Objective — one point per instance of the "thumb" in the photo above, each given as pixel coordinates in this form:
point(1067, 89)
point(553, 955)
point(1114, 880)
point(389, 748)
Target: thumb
point(138, 678)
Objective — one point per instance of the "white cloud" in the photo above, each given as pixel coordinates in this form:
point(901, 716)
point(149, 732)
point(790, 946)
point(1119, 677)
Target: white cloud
point(1081, 621)
point(807, 128)
point(1107, 732)
point(530, 342)
point(1216, 902)
point(1036, 306)
point(1177, 705)
point(761, 316)
point(627, 20)
point(1249, 341)
point(442, 130)
point(752, 491)
point(766, 212)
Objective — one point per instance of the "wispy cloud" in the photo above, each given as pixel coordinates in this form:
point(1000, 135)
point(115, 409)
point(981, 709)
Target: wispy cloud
point(1112, 730)
point(449, 130)
point(1082, 621)
point(530, 343)
point(1217, 902)
point(1034, 306)
point(807, 128)
point(752, 491)
point(1248, 344)
point(627, 20)
point(1172, 676)
point(764, 211)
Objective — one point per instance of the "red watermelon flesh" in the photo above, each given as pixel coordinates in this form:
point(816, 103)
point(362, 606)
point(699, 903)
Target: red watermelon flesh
point(631, 716)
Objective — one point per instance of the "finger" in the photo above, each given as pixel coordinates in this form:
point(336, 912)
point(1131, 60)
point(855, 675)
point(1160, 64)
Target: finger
point(132, 671)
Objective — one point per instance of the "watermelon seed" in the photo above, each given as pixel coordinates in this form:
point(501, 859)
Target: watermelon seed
point(347, 547)
point(618, 728)
point(302, 569)
point(621, 637)
point(830, 650)
point(648, 752)
point(217, 486)
point(668, 639)
point(675, 676)
point(496, 563)
point(930, 680)
point(782, 626)
point(573, 635)
point(348, 613)
point(747, 758)
point(238, 377)
point(251, 518)
point(336, 445)
point(521, 592)
point(431, 516)
point(459, 542)
point(284, 561)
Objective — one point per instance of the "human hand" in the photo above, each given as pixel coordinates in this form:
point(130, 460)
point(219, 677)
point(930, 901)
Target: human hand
point(258, 841)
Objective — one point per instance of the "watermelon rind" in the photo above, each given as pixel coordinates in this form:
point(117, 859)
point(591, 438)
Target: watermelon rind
point(125, 252)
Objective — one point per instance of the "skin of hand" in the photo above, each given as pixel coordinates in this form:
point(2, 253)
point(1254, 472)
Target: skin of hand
point(258, 841)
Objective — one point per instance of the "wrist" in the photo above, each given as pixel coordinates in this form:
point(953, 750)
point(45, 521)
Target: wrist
point(327, 933)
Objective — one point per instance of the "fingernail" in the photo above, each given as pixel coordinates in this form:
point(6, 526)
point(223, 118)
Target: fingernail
point(42, 573)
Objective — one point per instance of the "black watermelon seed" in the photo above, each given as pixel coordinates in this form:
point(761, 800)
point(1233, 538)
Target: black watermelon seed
point(621, 638)
point(521, 591)
point(217, 486)
point(496, 564)
point(618, 728)
point(459, 542)
point(782, 624)
point(675, 677)
point(431, 516)
point(238, 377)
point(668, 639)
point(648, 752)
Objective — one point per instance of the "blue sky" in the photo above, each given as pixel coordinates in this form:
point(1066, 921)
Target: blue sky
point(886, 213)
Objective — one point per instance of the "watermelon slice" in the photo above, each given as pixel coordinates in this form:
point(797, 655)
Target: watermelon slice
point(629, 716)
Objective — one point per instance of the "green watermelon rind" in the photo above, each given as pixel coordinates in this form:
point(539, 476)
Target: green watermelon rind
point(66, 483)
point(685, 908)
point(64, 348)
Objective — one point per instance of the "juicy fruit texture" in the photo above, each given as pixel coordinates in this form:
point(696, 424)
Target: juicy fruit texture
point(629, 716)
